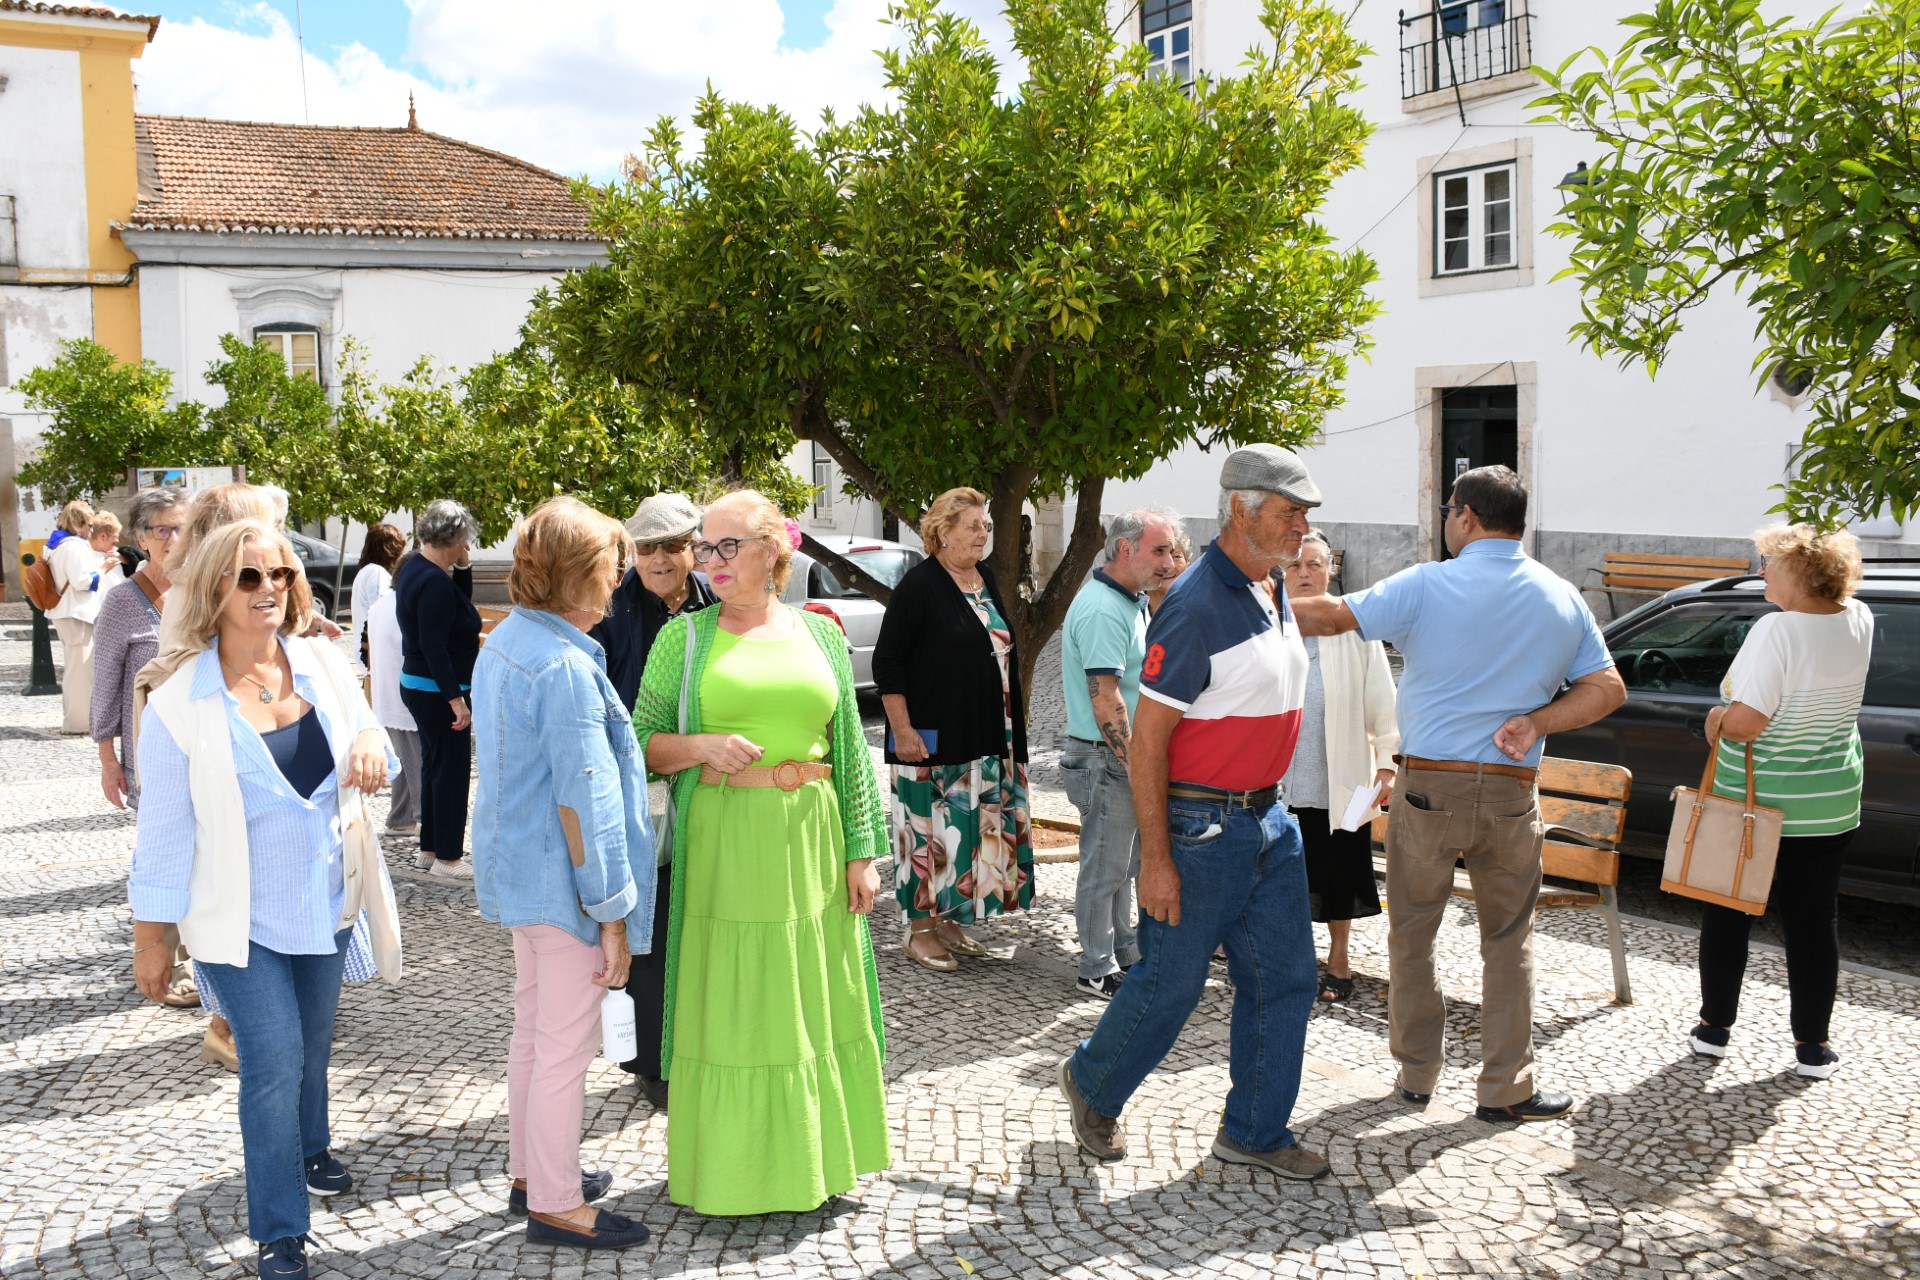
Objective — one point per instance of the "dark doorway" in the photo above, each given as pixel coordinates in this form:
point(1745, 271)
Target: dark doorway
point(1479, 427)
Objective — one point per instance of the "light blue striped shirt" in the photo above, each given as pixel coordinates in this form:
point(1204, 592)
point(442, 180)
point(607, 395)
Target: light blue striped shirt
point(294, 845)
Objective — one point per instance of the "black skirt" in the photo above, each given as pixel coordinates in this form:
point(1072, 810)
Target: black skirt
point(1340, 883)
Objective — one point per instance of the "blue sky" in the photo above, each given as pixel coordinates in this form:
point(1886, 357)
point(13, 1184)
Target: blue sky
point(381, 25)
point(572, 85)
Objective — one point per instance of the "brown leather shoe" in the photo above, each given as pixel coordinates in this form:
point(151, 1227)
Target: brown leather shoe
point(1099, 1136)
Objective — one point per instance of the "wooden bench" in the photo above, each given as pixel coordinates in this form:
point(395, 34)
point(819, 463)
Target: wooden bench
point(1584, 807)
point(490, 581)
point(1629, 573)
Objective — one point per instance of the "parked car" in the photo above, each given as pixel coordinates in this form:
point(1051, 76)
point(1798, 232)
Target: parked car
point(319, 560)
point(815, 588)
point(1673, 651)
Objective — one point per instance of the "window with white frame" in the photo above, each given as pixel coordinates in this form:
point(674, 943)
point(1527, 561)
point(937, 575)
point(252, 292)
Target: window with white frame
point(1166, 28)
point(297, 345)
point(823, 481)
point(1473, 220)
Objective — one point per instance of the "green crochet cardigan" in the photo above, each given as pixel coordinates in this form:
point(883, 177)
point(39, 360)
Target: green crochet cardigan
point(863, 814)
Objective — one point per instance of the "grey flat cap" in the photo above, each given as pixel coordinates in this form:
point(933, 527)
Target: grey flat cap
point(1269, 467)
point(664, 517)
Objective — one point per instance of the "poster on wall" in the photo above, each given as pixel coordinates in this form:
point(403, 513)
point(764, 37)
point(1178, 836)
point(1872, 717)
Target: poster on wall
point(189, 480)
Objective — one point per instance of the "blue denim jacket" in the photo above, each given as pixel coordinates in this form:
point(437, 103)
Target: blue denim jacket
point(549, 731)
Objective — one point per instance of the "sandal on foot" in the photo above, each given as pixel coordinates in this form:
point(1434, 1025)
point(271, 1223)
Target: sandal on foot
point(939, 961)
point(1334, 990)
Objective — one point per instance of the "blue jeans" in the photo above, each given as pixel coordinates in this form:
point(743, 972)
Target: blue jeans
point(1098, 785)
point(281, 1008)
point(1243, 883)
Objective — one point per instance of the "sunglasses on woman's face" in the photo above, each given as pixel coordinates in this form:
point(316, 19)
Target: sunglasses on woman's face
point(250, 578)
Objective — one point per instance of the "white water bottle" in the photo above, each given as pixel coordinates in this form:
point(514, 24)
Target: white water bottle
point(617, 1040)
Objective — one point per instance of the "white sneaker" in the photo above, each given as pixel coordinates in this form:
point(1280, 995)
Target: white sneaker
point(1814, 1061)
point(424, 860)
point(461, 870)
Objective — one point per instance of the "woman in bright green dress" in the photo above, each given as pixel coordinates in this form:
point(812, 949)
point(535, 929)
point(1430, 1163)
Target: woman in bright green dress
point(772, 1037)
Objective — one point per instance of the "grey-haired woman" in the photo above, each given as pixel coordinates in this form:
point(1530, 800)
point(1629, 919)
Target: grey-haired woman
point(439, 640)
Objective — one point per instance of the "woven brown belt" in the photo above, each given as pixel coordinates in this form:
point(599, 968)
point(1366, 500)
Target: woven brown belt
point(788, 775)
point(1468, 766)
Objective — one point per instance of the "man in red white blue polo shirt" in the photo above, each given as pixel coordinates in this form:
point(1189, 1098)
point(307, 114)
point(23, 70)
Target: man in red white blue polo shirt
point(1220, 857)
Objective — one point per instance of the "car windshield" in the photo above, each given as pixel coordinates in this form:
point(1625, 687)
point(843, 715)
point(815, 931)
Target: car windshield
point(888, 564)
point(1686, 650)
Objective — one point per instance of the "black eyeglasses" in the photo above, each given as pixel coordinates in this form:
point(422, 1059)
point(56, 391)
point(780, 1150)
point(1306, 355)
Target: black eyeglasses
point(1448, 508)
point(249, 579)
point(723, 550)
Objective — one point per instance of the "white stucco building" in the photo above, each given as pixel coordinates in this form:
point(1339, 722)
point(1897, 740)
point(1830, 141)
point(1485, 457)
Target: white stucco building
point(1472, 362)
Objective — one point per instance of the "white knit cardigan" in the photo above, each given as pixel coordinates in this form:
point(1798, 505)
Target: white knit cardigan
point(219, 914)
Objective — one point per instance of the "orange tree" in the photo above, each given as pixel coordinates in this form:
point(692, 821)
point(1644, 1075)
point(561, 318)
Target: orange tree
point(1028, 292)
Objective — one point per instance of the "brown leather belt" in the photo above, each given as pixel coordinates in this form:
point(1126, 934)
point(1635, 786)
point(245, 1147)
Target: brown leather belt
point(788, 775)
point(1257, 798)
point(1468, 766)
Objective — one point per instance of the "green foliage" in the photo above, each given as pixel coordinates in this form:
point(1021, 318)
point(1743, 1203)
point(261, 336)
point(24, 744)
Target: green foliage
point(502, 438)
point(106, 417)
point(1026, 293)
point(1778, 154)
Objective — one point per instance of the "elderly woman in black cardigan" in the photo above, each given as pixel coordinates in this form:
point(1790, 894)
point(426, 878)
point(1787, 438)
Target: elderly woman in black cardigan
point(957, 739)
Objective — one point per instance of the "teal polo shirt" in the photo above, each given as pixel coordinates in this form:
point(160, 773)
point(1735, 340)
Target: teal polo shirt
point(1489, 634)
point(1105, 634)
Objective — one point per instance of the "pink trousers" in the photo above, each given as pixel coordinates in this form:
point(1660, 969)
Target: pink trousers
point(556, 1032)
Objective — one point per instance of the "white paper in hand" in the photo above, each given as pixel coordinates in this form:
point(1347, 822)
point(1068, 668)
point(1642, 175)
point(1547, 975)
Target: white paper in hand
point(1363, 799)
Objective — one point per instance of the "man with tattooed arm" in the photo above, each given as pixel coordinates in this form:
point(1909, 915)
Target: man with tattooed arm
point(1103, 645)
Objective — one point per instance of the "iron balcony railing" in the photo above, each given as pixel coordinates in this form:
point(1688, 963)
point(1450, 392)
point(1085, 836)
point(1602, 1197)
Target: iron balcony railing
point(1460, 43)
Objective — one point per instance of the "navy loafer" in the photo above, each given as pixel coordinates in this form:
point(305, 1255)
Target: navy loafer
point(592, 1186)
point(609, 1231)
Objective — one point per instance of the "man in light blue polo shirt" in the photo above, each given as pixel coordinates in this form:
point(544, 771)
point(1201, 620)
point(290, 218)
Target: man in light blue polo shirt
point(1103, 645)
point(1490, 638)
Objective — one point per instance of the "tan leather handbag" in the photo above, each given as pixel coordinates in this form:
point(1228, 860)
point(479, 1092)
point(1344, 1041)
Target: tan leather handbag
point(1719, 850)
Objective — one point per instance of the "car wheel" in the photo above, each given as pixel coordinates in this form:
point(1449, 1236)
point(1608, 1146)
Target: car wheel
point(323, 603)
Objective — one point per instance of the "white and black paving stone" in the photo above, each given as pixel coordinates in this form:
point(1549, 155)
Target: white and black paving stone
point(120, 1152)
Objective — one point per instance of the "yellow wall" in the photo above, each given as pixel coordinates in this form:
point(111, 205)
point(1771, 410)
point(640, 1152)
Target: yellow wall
point(106, 51)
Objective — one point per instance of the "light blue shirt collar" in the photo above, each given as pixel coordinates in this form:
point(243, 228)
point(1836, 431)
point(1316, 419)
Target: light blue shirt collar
point(568, 632)
point(1507, 548)
point(209, 679)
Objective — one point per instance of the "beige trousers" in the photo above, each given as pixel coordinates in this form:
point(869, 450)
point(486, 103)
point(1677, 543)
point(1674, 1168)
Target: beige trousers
point(1493, 823)
point(76, 672)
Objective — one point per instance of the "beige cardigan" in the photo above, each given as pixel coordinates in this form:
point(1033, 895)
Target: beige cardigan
point(1362, 730)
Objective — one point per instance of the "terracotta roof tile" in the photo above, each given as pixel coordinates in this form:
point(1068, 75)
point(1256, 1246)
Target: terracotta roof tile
point(239, 175)
point(79, 11)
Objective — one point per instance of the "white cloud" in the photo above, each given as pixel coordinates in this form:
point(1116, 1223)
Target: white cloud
point(572, 85)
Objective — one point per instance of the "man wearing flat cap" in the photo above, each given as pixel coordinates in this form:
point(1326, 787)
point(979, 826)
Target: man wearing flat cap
point(660, 584)
point(1221, 864)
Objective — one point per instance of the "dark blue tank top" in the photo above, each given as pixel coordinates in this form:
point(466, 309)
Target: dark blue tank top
point(301, 751)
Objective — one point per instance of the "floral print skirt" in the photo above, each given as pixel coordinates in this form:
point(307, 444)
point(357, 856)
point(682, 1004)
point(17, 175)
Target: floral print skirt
point(962, 839)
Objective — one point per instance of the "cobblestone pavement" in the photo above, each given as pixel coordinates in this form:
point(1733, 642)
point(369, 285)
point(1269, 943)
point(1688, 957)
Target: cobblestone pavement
point(119, 1151)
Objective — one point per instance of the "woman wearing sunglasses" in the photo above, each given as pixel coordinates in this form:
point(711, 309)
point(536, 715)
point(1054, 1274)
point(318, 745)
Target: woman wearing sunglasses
point(772, 1034)
point(255, 848)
